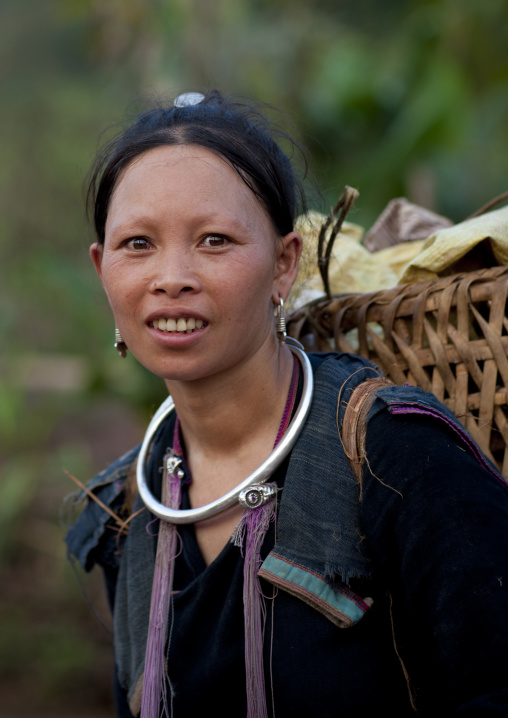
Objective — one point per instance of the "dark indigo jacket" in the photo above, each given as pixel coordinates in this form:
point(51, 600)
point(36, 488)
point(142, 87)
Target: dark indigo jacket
point(319, 544)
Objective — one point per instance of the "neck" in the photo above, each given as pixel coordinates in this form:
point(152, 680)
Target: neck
point(220, 414)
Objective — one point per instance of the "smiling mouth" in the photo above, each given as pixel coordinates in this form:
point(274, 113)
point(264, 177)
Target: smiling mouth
point(183, 326)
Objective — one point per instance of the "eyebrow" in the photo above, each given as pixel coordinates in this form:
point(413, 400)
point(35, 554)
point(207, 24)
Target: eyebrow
point(131, 222)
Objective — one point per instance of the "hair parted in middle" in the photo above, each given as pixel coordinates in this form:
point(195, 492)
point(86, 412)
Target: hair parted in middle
point(235, 130)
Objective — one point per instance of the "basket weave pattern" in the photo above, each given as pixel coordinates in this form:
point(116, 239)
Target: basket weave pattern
point(449, 336)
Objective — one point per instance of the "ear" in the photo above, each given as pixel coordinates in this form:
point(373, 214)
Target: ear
point(96, 252)
point(289, 250)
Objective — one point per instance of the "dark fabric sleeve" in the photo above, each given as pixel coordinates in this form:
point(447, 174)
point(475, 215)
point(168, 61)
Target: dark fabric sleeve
point(437, 526)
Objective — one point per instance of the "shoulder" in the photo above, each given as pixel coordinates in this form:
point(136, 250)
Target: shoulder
point(421, 467)
point(84, 536)
point(408, 409)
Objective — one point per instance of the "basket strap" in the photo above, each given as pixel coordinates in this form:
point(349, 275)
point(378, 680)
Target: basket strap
point(354, 425)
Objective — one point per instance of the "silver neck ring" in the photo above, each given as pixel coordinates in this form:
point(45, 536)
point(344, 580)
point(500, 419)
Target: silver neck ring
point(259, 476)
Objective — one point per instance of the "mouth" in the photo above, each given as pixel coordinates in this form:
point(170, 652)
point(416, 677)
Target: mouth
point(178, 326)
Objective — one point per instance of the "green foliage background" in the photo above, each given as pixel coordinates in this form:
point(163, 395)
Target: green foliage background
point(402, 97)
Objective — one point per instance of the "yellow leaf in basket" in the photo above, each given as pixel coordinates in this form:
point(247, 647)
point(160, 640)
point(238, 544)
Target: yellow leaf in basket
point(444, 248)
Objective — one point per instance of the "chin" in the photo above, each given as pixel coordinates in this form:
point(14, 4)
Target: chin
point(179, 370)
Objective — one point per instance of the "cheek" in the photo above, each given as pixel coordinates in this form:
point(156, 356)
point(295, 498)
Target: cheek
point(121, 284)
point(247, 292)
point(254, 271)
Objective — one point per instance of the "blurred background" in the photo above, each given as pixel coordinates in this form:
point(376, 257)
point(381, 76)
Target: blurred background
point(401, 97)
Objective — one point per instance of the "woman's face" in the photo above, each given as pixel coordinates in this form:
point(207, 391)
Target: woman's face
point(192, 264)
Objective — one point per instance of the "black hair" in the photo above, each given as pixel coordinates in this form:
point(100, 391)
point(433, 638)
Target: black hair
point(236, 131)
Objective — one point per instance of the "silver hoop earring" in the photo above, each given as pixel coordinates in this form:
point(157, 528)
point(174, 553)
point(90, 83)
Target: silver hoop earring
point(280, 324)
point(120, 345)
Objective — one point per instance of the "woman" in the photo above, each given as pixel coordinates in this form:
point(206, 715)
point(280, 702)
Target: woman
point(229, 592)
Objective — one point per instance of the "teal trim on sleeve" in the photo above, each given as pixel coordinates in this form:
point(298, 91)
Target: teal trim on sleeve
point(339, 604)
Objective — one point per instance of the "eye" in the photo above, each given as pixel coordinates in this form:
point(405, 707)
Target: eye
point(214, 241)
point(137, 243)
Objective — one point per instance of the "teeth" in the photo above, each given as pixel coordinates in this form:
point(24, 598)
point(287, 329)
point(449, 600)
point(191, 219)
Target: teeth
point(178, 325)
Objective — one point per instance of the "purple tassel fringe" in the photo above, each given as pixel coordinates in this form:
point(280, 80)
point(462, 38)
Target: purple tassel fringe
point(154, 680)
point(253, 527)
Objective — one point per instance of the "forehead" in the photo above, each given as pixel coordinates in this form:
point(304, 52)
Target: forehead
point(183, 177)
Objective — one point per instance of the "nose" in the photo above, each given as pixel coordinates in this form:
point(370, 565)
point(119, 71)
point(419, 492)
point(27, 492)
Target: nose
point(175, 275)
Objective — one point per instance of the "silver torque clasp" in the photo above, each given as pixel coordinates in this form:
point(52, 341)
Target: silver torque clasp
point(173, 466)
point(256, 495)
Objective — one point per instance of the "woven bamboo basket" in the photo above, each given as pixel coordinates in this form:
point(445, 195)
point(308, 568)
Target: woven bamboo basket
point(449, 336)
